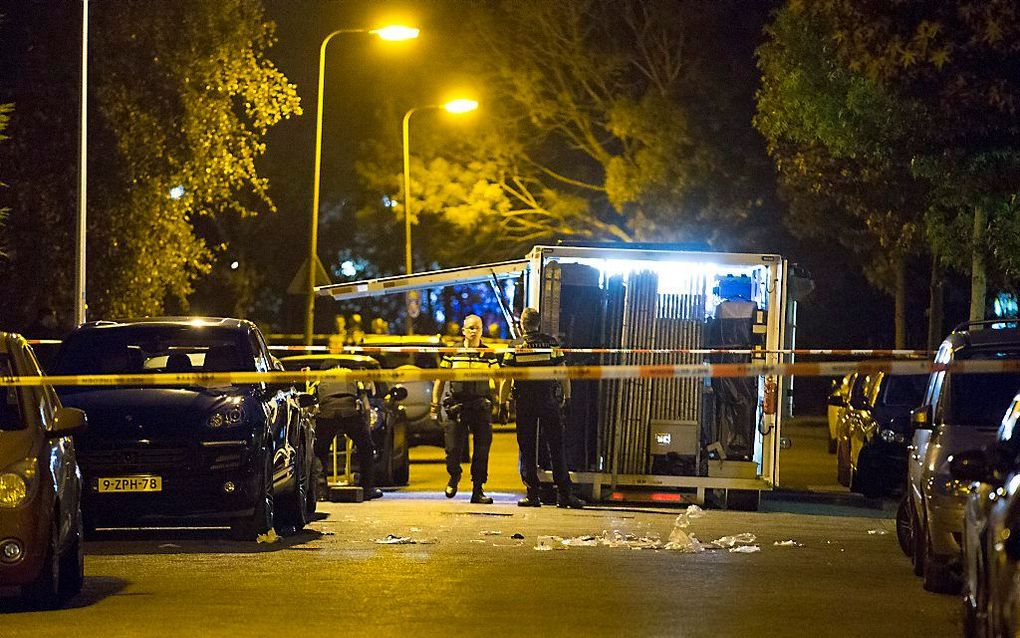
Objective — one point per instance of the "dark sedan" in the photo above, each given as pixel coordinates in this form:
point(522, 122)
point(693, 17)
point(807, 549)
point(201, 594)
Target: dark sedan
point(877, 430)
point(40, 485)
point(211, 454)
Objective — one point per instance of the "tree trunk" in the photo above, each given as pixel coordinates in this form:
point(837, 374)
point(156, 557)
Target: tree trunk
point(900, 319)
point(978, 279)
point(935, 298)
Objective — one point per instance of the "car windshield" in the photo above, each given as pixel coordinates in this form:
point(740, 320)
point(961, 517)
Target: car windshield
point(397, 359)
point(904, 390)
point(140, 349)
point(294, 365)
point(981, 399)
point(10, 406)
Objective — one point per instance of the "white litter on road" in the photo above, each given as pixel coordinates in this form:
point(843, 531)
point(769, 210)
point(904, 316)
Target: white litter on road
point(267, 538)
point(745, 549)
point(789, 543)
point(490, 532)
point(877, 532)
point(392, 539)
point(725, 542)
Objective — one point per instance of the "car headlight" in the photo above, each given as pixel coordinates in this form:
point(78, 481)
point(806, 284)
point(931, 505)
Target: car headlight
point(226, 418)
point(891, 436)
point(16, 483)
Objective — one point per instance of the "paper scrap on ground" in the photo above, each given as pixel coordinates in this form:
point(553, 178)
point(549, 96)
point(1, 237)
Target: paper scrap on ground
point(392, 539)
point(745, 549)
point(490, 532)
point(267, 538)
point(789, 543)
point(726, 542)
point(877, 532)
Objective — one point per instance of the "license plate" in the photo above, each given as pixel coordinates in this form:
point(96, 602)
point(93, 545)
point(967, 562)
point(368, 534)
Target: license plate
point(130, 484)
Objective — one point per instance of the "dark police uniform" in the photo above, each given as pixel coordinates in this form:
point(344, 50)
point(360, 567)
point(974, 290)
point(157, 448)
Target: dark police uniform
point(344, 412)
point(538, 403)
point(469, 407)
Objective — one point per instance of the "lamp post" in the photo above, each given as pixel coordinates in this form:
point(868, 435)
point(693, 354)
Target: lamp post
point(392, 33)
point(457, 107)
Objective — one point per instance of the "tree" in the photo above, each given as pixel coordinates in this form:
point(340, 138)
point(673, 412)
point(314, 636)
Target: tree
point(602, 120)
point(839, 146)
point(182, 96)
point(951, 66)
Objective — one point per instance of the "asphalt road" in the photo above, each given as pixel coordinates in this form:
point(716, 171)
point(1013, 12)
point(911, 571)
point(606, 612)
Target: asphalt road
point(467, 576)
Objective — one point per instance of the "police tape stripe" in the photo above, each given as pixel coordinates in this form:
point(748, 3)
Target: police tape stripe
point(845, 352)
point(651, 371)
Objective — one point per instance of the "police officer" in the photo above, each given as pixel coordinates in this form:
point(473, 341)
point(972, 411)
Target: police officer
point(469, 407)
point(345, 410)
point(538, 405)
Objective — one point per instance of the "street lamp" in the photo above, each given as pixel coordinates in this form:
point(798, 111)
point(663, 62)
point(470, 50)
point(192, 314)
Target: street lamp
point(457, 107)
point(391, 33)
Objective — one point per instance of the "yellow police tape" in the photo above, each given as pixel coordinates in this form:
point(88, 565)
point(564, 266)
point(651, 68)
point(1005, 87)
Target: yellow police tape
point(654, 371)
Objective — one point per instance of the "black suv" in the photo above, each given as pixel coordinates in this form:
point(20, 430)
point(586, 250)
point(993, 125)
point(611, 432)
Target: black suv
point(217, 453)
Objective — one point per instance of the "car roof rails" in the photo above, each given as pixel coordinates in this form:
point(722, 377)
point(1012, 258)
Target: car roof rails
point(995, 324)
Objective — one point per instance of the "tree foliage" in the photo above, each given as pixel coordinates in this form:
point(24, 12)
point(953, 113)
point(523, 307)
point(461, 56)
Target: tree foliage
point(181, 96)
point(600, 119)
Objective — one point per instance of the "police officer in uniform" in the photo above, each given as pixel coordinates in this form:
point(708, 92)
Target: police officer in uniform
point(345, 411)
point(538, 405)
point(469, 407)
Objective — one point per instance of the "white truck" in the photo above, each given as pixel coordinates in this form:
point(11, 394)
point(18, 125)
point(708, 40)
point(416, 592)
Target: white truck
point(665, 440)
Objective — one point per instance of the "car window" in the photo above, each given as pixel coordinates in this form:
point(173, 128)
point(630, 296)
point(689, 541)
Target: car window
point(979, 399)
point(10, 405)
point(137, 349)
point(858, 394)
point(903, 390)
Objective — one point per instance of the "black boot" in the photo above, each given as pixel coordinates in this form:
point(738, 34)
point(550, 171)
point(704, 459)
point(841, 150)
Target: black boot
point(531, 500)
point(451, 487)
point(569, 500)
point(478, 496)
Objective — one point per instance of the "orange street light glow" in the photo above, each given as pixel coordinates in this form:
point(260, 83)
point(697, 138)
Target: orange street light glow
point(396, 32)
point(461, 106)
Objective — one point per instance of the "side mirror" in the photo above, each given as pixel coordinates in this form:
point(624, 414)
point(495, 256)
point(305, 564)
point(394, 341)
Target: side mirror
point(67, 421)
point(920, 417)
point(971, 466)
point(306, 400)
point(398, 393)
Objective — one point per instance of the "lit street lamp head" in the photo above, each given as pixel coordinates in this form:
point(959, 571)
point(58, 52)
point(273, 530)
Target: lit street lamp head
point(396, 32)
point(461, 106)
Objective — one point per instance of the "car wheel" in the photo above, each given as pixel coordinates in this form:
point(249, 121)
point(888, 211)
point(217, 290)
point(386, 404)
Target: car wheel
point(920, 546)
point(939, 577)
point(905, 527)
point(261, 520)
point(72, 562)
point(293, 508)
point(44, 591)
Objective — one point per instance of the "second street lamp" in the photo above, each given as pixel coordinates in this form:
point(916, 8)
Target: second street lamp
point(454, 106)
point(390, 33)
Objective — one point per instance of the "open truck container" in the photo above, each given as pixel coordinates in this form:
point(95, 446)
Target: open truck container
point(651, 439)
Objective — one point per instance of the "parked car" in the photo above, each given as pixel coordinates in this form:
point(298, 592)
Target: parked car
point(217, 453)
point(874, 432)
point(991, 531)
point(960, 412)
point(837, 405)
point(386, 417)
point(422, 428)
point(41, 529)
point(855, 401)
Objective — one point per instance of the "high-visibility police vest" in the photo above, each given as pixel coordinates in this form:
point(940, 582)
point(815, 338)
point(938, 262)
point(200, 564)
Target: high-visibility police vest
point(467, 390)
